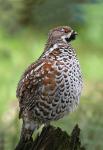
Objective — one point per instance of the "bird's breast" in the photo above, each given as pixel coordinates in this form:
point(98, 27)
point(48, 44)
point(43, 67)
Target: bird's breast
point(69, 81)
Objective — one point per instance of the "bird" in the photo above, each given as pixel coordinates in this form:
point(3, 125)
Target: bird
point(50, 87)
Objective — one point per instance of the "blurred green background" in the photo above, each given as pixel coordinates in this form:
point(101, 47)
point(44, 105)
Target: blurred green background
point(24, 25)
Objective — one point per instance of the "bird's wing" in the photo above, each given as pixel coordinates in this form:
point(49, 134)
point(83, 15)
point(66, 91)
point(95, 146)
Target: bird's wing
point(28, 86)
point(36, 83)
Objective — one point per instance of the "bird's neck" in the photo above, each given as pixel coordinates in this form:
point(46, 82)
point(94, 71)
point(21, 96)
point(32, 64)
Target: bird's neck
point(51, 42)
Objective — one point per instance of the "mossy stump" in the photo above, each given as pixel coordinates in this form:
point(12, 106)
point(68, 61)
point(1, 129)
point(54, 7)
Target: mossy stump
point(52, 138)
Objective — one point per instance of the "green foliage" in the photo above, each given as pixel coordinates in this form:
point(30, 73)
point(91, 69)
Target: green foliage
point(15, 14)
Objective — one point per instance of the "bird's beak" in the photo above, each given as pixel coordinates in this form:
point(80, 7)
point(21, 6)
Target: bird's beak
point(75, 33)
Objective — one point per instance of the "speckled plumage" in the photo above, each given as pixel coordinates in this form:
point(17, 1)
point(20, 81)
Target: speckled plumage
point(50, 87)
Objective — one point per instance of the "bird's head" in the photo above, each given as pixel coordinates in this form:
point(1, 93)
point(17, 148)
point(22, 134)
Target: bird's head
point(64, 33)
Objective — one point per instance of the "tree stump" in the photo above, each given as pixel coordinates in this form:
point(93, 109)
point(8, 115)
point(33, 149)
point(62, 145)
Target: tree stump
point(52, 138)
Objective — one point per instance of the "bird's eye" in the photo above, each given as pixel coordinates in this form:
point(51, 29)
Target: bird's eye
point(66, 30)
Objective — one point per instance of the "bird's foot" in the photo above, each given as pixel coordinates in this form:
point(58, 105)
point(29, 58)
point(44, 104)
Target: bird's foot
point(26, 136)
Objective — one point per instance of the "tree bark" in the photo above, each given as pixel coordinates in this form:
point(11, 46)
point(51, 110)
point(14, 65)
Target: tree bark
point(52, 138)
